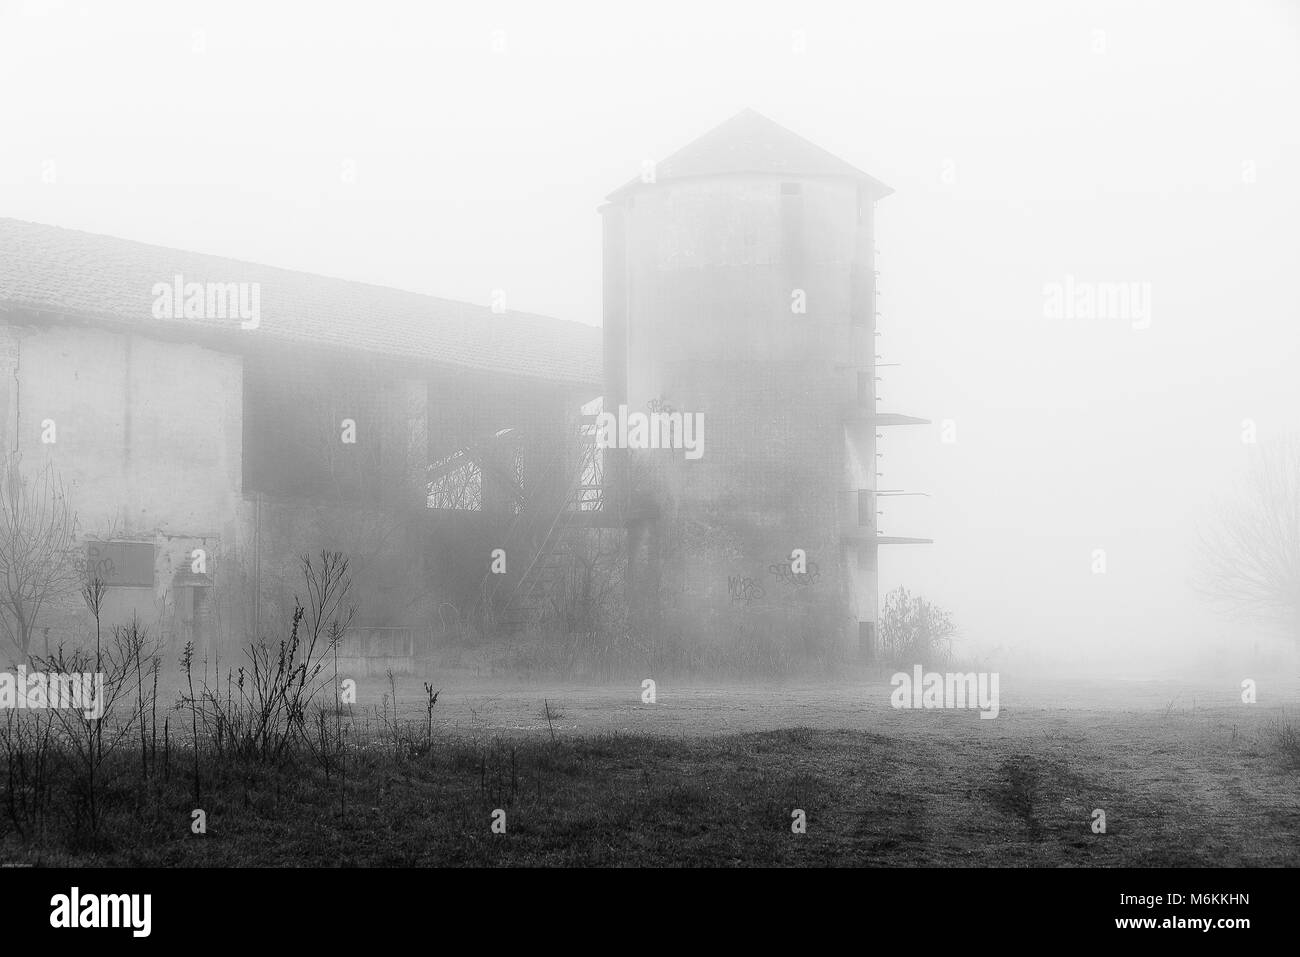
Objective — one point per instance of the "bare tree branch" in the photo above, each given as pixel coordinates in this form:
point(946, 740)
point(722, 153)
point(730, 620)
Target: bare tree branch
point(1250, 551)
point(39, 559)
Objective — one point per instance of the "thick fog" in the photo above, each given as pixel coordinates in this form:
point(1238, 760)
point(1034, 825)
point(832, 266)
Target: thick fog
point(1035, 149)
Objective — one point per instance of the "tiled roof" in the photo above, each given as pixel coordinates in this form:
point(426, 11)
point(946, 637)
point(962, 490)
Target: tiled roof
point(751, 143)
point(85, 275)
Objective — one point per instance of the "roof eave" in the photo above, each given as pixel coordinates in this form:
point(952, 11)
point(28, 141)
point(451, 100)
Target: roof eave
point(877, 189)
point(221, 341)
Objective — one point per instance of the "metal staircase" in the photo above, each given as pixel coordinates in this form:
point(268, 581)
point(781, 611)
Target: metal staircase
point(563, 495)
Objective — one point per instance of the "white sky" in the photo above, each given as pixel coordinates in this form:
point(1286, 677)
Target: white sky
point(476, 170)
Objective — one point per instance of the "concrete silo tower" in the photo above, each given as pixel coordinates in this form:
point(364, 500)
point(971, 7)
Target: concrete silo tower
point(740, 287)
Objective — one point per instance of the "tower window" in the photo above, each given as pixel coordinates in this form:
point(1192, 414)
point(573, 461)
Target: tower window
point(866, 507)
point(867, 640)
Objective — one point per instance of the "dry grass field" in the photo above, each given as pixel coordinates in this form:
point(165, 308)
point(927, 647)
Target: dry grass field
point(1185, 774)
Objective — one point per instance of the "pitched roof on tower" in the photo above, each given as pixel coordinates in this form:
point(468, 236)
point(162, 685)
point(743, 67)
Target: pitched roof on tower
point(751, 143)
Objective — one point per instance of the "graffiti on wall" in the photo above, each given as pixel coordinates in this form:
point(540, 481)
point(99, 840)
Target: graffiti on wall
point(785, 572)
point(745, 589)
point(660, 405)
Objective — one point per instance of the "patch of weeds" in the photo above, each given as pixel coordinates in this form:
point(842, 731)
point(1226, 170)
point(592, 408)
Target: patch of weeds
point(1286, 740)
point(1022, 787)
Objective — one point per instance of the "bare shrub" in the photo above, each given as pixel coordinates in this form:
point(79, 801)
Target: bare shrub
point(914, 630)
point(31, 764)
point(39, 560)
point(122, 668)
point(265, 705)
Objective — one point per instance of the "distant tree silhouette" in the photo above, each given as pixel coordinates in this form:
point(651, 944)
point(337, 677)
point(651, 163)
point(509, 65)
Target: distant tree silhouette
point(1250, 549)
